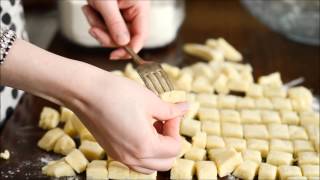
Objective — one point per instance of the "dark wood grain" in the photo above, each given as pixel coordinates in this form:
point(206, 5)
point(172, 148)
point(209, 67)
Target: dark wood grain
point(265, 50)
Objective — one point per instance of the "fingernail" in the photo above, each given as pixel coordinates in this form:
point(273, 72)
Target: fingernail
point(183, 107)
point(93, 34)
point(123, 38)
point(114, 57)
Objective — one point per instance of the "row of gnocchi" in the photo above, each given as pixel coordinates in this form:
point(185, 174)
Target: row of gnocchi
point(196, 150)
point(191, 128)
point(230, 162)
point(237, 102)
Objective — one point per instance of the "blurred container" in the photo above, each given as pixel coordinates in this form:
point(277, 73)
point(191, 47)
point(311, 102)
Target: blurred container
point(296, 19)
point(166, 16)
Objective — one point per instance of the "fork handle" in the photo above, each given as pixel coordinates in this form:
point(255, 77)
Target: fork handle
point(136, 58)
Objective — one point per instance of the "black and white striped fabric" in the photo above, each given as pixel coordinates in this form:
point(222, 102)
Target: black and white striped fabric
point(12, 17)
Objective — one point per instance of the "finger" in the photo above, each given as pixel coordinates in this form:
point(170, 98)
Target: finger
point(142, 170)
point(119, 54)
point(158, 164)
point(104, 38)
point(171, 128)
point(93, 18)
point(114, 21)
point(166, 111)
point(168, 147)
point(138, 29)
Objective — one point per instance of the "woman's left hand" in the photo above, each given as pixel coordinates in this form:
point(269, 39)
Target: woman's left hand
point(123, 22)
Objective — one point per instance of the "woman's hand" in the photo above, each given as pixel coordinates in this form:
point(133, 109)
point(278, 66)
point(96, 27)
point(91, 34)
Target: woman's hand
point(120, 113)
point(123, 22)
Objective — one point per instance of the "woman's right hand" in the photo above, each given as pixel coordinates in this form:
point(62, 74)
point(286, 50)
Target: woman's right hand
point(120, 114)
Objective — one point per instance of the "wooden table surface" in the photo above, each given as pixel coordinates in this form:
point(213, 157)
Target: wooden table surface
point(265, 50)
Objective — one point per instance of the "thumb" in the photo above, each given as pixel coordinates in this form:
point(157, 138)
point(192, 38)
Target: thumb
point(166, 111)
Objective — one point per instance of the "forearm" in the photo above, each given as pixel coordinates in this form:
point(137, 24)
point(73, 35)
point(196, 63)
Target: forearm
point(42, 73)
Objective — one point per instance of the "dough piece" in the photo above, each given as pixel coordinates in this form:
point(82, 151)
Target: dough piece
point(281, 145)
point(206, 170)
point(311, 158)
point(252, 155)
point(227, 101)
point(5, 155)
point(313, 131)
point(86, 135)
point(182, 169)
point(64, 145)
point(92, 150)
point(238, 85)
point(281, 104)
point(200, 140)
point(174, 96)
point(279, 131)
point(273, 79)
point(310, 170)
point(208, 114)
point(193, 110)
point(270, 117)
point(50, 138)
point(77, 160)
point(271, 92)
point(220, 84)
point(215, 142)
point(230, 53)
point(309, 118)
point(264, 103)
point(255, 91)
point(257, 131)
point(250, 116)
point(211, 128)
point(202, 51)
point(302, 146)
point(247, 170)
point(279, 158)
point(301, 94)
point(195, 154)
point(132, 74)
point(117, 170)
point(97, 169)
point(289, 117)
point(58, 169)
point(201, 85)
point(191, 97)
point(140, 176)
point(212, 153)
point(172, 71)
point(289, 171)
point(231, 130)
point(231, 116)
point(207, 100)
point(190, 127)
point(297, 132)
point(267, 171)
point(185, 147)
point(227, 161)
point(118, 73)
point(69, 128)
point(184, 81)
point(49, 118)
point(201, 69)
point(259, 145)
point(66, 114)
point(236, 143)
point(246, 103)
point(300, 105)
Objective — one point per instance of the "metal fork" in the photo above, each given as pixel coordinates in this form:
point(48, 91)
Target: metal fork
point(152, 74)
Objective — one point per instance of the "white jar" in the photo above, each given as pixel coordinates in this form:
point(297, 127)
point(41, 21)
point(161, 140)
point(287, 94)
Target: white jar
point(166, 16)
